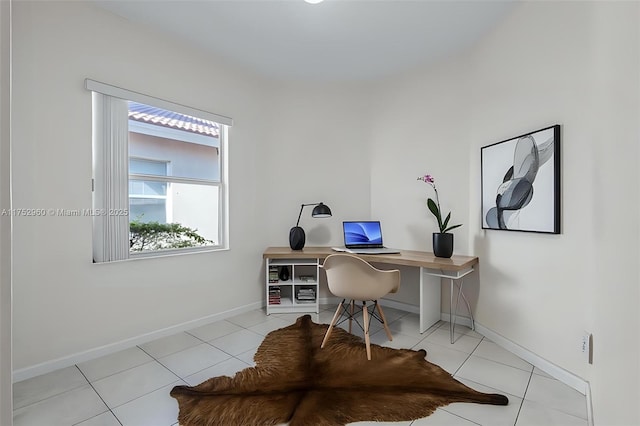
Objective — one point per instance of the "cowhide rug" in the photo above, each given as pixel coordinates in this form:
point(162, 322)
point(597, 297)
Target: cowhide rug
point(297, 382)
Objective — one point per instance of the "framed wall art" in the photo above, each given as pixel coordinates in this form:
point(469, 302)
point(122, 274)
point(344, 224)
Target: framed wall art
point(521, 183)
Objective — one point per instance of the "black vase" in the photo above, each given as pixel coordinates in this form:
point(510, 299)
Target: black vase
point(297, 238)
point(284, 273)
point(442, 244)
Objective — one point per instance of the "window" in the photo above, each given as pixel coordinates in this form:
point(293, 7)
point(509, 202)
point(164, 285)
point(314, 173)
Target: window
point(159, 176)
point(147, 198)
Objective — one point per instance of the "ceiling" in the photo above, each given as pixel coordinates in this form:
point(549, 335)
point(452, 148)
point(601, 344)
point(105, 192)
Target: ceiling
point(334, 40)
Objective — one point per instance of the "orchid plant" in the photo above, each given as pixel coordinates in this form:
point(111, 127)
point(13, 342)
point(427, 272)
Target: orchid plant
point(434, 206)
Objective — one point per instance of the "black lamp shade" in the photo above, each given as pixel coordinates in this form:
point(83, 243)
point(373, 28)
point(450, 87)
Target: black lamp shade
point(297, 238)
point(321, 210)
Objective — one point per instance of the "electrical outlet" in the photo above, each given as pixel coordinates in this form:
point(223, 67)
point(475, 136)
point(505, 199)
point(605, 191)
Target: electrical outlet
point(586, 347)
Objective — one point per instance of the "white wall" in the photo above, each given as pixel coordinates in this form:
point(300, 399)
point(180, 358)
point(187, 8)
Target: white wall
point(517, 89)
point(543, 291)
point(317, 152)
point(615, 61)
point(419, 126)
point(6, 400)
point(539, 291)
point(289, 145)
point(61, 300)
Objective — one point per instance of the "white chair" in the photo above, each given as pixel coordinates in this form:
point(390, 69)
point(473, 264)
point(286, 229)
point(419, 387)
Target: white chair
point(352, 278)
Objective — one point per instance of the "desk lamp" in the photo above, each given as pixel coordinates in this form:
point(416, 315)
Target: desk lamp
point(296, 234)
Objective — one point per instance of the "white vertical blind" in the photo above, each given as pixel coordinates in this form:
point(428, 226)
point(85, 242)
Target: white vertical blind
point(111, 177)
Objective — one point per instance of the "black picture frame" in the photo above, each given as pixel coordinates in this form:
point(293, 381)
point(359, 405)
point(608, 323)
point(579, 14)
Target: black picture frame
point(520, 179)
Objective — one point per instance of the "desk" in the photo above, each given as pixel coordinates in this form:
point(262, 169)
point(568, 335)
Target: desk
point(454, 269)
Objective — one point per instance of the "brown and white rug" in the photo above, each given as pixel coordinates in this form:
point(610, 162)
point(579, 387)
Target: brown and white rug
point(295, 381)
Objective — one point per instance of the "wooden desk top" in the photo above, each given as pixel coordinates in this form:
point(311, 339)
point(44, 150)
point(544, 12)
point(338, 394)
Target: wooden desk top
point(405, 257)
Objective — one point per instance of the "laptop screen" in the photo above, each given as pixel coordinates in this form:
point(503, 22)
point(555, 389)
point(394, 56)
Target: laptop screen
point(362, 234)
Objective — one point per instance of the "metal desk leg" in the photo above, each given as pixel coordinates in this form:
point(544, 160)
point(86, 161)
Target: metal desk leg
point(452, 317)
point(460, 292)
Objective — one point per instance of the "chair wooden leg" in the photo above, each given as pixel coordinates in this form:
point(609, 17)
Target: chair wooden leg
point(365, 317)
point(384, 320)
point(352, 309)
point(333, 321)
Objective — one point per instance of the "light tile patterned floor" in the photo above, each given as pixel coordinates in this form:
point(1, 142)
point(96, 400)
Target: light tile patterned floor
point(131, 387)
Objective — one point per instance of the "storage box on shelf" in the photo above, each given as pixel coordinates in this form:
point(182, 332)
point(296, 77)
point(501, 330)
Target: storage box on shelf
point(292, 285)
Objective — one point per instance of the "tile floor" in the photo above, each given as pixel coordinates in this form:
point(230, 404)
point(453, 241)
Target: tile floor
point(131, 387)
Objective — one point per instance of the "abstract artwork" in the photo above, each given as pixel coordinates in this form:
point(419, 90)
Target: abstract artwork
point(521, 183)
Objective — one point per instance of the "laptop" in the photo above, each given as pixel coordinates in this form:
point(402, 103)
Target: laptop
point(365, 237)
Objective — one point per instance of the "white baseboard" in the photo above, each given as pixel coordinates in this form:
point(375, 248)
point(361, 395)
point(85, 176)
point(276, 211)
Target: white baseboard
point(67, 361)
point(466, 321)
point(551, 369)
point(589, 405)
point(329, 301)
point(400, 305)
point(384, 302)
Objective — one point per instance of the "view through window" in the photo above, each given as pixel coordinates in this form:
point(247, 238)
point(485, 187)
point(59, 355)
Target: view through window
point(174, 179)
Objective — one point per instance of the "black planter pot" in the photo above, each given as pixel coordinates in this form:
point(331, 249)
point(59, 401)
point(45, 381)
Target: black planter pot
point(442, 244)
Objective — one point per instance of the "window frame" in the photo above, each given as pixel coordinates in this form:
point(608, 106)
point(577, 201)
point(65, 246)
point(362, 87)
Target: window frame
point(221, 185)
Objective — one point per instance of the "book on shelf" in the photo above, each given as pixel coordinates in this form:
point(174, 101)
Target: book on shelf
point(306, 278)
point(306, 294)
point(273, 274)
point(274, 295)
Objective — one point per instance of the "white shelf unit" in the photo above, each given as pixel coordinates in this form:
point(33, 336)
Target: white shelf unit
point(299, 293)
